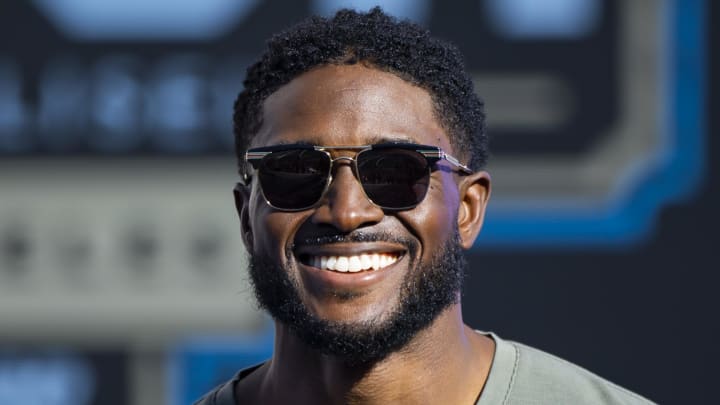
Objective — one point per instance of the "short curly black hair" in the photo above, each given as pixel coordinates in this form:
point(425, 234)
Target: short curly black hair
point(379, 41)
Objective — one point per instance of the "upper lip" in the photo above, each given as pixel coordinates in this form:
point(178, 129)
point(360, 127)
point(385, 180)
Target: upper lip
point(350, 249)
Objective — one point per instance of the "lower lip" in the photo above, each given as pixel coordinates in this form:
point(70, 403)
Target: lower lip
point(346, 280)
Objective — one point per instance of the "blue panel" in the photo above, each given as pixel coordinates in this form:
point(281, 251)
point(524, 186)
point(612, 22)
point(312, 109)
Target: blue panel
point(45, 379)
point(198, 366)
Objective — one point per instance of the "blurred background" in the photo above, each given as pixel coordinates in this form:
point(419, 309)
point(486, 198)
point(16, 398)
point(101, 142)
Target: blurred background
point(122, 273)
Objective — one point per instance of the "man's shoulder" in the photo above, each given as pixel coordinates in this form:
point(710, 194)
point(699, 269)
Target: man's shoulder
point(532, 376)
point(520, 374)
point(567, 381)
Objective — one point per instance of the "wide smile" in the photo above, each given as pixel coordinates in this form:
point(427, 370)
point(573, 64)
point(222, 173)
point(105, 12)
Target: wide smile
point(371, 261)
point(349, 265)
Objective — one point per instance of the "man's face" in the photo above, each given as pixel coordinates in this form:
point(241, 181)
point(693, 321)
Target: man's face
point(353, 105)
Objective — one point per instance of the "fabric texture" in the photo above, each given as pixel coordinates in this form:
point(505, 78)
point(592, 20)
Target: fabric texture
point(519, 375)
point(522, 375)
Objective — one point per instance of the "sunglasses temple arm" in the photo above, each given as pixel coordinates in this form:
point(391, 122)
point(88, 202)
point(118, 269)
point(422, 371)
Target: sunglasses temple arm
point(250, 165)
point(457, 163)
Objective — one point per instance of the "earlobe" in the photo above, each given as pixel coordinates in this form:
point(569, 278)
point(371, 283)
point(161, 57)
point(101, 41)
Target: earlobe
point(474, 196)
point(241, 193)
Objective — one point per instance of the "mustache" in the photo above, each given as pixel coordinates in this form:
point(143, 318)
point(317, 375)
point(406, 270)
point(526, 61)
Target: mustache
point(353, 237)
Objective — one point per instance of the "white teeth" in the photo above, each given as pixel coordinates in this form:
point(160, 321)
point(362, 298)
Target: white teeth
point(353, 264)
point(366, 261)
point(342, 264)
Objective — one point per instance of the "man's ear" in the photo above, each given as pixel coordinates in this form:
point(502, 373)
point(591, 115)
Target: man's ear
point(474, 196)
point(241, 192)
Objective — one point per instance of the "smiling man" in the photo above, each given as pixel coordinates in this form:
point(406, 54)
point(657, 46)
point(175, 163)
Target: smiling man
point(362, 145)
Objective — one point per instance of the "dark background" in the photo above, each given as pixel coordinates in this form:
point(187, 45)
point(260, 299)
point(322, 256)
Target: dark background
point(645, 318)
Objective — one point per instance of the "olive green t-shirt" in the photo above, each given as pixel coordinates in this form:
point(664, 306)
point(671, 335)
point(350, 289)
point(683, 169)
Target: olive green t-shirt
point(519, 375)
point(528, 376)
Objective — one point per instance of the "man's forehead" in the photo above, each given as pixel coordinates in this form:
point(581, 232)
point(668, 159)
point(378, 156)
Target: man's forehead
point(322, 140)
point(335, 140)
point(346, 86)
point(349, 105)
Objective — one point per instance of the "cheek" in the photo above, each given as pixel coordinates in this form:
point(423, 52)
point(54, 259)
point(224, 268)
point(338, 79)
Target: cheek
point(444, 200)
point(272, 230)
point(434, 220)
point(271, 236)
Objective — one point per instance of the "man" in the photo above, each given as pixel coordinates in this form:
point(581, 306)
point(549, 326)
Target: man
point(361, 143)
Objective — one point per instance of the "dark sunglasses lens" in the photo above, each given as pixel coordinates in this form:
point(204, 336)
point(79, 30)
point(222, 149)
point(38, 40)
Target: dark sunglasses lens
point(294, 179)
point(394, 178)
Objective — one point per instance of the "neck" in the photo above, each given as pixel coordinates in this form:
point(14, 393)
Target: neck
point(445, 363)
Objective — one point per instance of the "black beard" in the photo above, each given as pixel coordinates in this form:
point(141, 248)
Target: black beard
point(427, 290)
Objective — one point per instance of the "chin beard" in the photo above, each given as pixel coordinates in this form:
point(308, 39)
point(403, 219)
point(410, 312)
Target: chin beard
point(428, 289)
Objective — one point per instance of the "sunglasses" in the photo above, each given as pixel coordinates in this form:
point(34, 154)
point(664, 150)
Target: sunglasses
point(394, 176)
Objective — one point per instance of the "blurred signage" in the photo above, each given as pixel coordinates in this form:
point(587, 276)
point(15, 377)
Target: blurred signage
point(144, 20)
point(159, 78)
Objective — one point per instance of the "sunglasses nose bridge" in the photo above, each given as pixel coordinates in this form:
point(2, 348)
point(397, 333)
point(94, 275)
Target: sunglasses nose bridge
point(351, 159)
point(344, 204)
point(345, 160)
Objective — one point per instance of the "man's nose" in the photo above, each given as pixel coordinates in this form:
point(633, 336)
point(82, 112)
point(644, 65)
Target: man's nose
point(345, 205)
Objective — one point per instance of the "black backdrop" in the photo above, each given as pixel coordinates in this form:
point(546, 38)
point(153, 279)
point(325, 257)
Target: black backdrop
point(646, 319)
